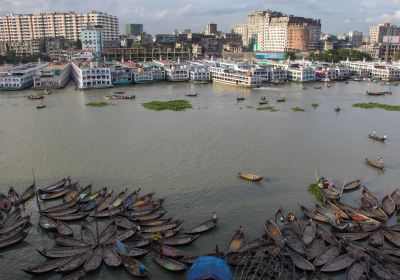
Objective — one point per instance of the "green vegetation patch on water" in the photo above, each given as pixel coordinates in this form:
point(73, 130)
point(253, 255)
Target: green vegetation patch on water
point(267, 108)
point(174, 105)
point(316, 191)
point(298, 109)
point(97, 104)
point(314, 105)
point(372, 105)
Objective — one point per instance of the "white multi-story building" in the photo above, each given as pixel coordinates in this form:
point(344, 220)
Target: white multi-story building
point(299, 73)
point(26, 27)
point(92, 40)
point(20, 77)
point(175, 71)
point(55, 75)
point(199, 72)
point(91, 75)
point(374, 70)
point(241, 29)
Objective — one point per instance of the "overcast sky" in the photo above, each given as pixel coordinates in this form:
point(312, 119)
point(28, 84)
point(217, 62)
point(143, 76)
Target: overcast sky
point(163, 16)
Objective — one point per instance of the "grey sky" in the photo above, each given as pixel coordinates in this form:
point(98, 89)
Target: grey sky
point(163, 16)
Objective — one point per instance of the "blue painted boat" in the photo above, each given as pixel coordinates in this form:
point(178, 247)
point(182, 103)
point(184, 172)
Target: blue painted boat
point(210, 268)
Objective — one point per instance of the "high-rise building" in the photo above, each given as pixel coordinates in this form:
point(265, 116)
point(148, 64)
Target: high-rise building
point(276, 32)
point(211, 29)
point(355, 38)
point(241, 29)
point(26, 27)
point(377, 32)
point(92, 40)
point(133, 29)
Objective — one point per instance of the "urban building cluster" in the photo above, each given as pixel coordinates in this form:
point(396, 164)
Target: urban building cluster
point(89, 49)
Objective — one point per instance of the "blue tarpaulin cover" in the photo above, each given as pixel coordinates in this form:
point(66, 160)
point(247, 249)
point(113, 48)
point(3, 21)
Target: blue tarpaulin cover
point(208, 266)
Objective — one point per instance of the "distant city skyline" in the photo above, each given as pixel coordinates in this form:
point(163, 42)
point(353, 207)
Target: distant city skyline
point(159, 16)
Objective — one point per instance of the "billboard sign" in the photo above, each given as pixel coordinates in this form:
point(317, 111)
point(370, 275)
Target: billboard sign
point(271, 56)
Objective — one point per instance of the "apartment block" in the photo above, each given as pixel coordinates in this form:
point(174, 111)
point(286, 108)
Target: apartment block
point(377, 32)
point(27, 27)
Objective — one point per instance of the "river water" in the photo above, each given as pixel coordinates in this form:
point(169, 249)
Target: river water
point(191, 158)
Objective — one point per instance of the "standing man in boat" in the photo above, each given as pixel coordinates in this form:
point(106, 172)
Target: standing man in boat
point(214, 217)
point(240, 230)
point(381, 161)
point(384, 137)
point(374, 132)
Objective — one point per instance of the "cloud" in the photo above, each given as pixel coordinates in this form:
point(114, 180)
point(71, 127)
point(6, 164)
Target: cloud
point(394, 17)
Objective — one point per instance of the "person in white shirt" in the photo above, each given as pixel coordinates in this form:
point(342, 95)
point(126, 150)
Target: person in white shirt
point(214, 217)
point(374, 132)
point(384, 136)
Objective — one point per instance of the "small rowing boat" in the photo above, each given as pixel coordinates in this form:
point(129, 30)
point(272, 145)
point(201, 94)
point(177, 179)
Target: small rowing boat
point(250, 177)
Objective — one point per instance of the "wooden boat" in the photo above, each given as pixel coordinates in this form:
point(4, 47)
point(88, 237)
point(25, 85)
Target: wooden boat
point(168, 251)
point(388, 205)
point(87, 236)
point(107, 213)
point(105, 204)
point(328, 255)
point(339, 263)
point(352, 185)
point(310, 230)
point(318, 87)
point(395, 228)
point(16, 238)
point(28, 193)
point(62, 252)
point(273, 231)
point(376, 211)
point(283, 99)
point(47, 223)
point(155, 222)
point(41, 106)
point(107, 232)
point(294, 224)
point(293, 241)
point(95, 195)
point(366, 226)
point(381, 271)
point(20, 223)
point(75, 263)
point(54, 186)
point(237, 241)
point(240, 98)
point(70, 242)
point(313, 215)
point(151, 205)
point(118, 199)
point(326, 235)
point(142, 200)
point(356, 213)
point(280, 218)
point(337, 109)
point(110, 257)
point(263, 102)
point(72, 217)
point(180, 240)
point(396, 197)
point(250, 177)
point(161, 228)
point(67, 211)
point(203, 227)
point(167, 233)
point(255, 244)
point(131, 199)
point(85, 193)
point(353, 236)
point(64, 229)
point(125, 223)
point(72, 194)
point(316, 248)
point(60, 207)
point(94, 261)
point(151, 216)
point(329, 205)
point(5, 203)
point(331, 193)
point(13, 196)
point(138, 242)
point(11, 218)
point(191, 94)
point(375, 163)
point(54, 195)
point(126, 234)
point(375, 137)
point(47, 266)
point(358, 270)
point(134, 214)
point(125, 250)
point(330, 215)
point(301, 262)
point(170, 264)
point(132, 266)
point(377, 93)
point(376, 238)
point(34, 97)
point(392, 236)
